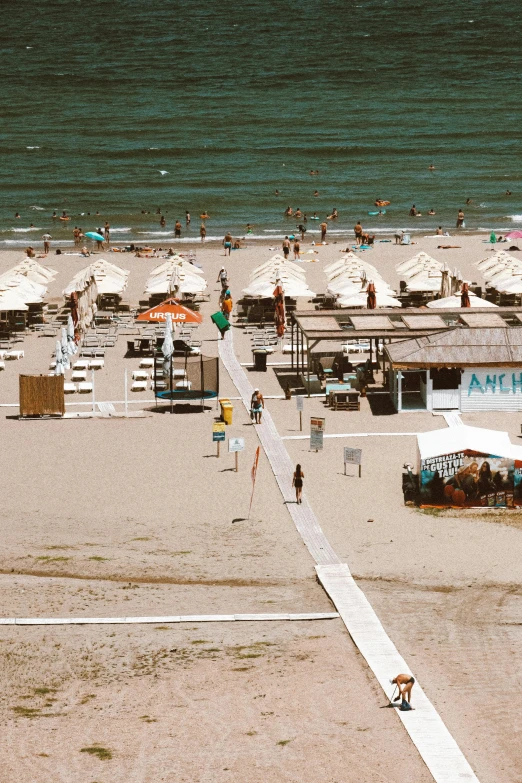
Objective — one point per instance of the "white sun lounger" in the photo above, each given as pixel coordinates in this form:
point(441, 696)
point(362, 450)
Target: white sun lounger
point(138, 386)
point(140, 375)
point(147, 363)
point(85, 387)
point(160, 385)
point(81, 364)
point(69, 388)
point(79, 375)
point(14, 355)
point(96, 364)
point(184, 385)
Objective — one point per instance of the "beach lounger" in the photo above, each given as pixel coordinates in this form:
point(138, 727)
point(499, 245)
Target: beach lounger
point(160, 385)
point(79, 375)
point(138, 386)
point(81, 364)
point(52, 365)
point(184, 385)
point(69, 388)
point(14, 355)
point(147, 363)
point(2, 355)
point(96, 364)
point(85, 387)
point(140, 375)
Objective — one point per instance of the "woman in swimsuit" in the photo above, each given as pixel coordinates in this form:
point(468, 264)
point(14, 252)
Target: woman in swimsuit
point(297, 482)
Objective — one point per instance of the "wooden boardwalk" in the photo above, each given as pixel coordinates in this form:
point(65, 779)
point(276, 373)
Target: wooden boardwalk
point(426, 728)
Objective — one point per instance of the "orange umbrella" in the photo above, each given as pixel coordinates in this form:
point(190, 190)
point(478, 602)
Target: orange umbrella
point(178, 313)
point(371, 299)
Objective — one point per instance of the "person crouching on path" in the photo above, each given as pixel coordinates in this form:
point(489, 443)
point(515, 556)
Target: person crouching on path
point(257, 404)
point(297, 482)
point(404, 683)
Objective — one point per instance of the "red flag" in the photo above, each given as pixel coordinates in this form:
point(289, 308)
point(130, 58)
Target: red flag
point(254, 474)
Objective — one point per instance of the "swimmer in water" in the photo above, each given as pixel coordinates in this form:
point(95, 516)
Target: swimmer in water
point(162, 221)
point(289, 211)
point(205, 215)
point(316, 193)
point(249, 228)
point(187, 217)
point(508, 192)
point(277, 192)
point(431, 212)
point(298, 213)
point(468, 201)
point(17, 215)
point(54, 216)
point(431, 167)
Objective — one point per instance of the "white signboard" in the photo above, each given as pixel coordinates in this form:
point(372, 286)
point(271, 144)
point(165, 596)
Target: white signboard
point(316, 433)
point(299, 401)
point(236, 444)
point(352, 456)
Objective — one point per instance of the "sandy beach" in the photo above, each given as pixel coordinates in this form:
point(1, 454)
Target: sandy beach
point(133, 517)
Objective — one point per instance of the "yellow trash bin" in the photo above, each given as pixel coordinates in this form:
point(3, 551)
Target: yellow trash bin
point(226, 410)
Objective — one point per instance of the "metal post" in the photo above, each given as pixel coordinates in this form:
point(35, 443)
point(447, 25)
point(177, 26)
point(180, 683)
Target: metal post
point(300, 421)
point(171, 382)
point(308, 364)
point(126, 393)
point(93, 394)
point(360, 471)
point(218, 443)
point(237, 461)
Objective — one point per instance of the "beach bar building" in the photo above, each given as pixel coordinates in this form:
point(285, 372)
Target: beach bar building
point(474, 369)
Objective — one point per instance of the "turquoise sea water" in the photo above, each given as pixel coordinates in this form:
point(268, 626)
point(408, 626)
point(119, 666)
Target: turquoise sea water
point(236, 100)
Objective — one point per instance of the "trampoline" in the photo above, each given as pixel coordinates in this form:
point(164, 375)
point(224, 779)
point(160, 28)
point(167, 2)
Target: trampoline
point(186, 378)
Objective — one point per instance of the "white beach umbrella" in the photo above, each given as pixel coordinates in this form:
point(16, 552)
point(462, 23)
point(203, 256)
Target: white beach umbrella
point(421, 258)
point(59, 369)
point(424, 284)
point(167, 348)
point(65, 349)
point(512, 287)
point(361, 301)
point(10, 301)
point(452, 302)
point(71, 345)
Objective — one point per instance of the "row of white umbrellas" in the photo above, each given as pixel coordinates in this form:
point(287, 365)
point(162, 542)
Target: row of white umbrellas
point(503, 272)
point(110, 279)
point(278, 271)
point(176, 276)
point(348, 280)
point(24, 284)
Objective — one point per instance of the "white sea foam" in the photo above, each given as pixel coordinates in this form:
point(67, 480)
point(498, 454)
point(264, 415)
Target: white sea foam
point(124, 230)
point(157, 233)
point(515, 218)
point(32, 148)
point(41, 209)
point(25, 230)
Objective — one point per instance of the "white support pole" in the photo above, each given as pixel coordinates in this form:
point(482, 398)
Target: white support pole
point(93, 393)
point(126, 394)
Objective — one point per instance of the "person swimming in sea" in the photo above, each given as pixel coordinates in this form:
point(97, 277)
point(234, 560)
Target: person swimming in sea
point(431, 167)
point(316, 193)
point(431, 212)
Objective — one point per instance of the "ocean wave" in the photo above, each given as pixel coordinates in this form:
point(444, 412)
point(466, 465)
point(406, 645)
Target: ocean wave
point(32, 148)
point(25, 230)
point(24, 242)
point(515, 218)
point(40, 209)
point(158, 233)
point(124, 230)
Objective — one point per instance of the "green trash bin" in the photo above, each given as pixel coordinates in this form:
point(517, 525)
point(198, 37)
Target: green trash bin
point(221, 322)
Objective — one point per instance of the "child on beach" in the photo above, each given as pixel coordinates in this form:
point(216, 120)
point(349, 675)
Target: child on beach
point(297, 482)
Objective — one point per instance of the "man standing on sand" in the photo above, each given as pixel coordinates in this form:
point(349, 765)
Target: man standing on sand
point(76, 234)
point(286, 247)
point(47, 242)
point(460, 219)
point(107, 232)
point(177, 229)
point(227, 242)
point(358, 231)
point(404, 683)
point(202, 232)
point(439, 232)
point(297, 250)
point(324, 227)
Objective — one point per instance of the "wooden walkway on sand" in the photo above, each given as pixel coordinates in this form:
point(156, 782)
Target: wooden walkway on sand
point(426, 728)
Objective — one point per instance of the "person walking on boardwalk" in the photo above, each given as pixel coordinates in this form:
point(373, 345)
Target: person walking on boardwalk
point(297, 482)
point(404, 683)
point(227, 304)
point(257, 404)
